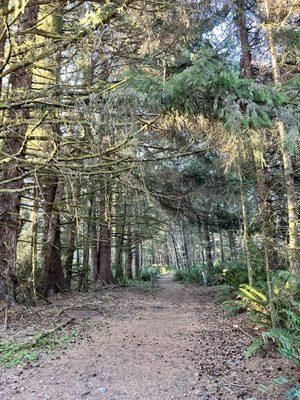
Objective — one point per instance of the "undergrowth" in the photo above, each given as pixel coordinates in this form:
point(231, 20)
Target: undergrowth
point(13, 353)
point(236, 296)
point(192, 275)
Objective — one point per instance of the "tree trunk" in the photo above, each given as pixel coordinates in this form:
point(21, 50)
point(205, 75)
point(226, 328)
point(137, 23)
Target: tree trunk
point(13, 146)
point(291, 192)
point(213, 246)
point(245, 229)
point(166, 255)
point(175, 251)
point(221, 248)
point(264, 184)
point(119, 241)
point(243, 33)
point(137, 264)
point(105, 240)
point(153, 258)
point(34, 232)
point(141, 256)
point(3, 36)
point(53, 276)
point(185, 248)
point(71, 236)
point(209, 258)
point(232, 244)
point(94, 246)
point(84, 273)
point(128, 256)
point(68, 267)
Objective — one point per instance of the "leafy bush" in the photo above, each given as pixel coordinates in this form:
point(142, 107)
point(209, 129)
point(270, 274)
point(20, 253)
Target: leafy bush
point(235, 273)
point(150, 273)
point(191, 275)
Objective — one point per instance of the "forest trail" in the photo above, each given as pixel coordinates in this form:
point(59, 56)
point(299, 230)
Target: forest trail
point(165, 343)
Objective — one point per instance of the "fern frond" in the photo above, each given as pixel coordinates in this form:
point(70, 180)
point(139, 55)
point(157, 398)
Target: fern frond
point(254, 347)
point(255, 293)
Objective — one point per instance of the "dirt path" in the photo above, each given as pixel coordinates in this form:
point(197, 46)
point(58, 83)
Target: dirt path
point(161, 344)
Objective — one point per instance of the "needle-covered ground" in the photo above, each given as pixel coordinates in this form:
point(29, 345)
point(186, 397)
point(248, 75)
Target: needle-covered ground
point(139, 343)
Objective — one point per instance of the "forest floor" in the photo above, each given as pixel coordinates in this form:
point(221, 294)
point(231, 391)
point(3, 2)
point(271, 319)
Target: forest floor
point(140, 343)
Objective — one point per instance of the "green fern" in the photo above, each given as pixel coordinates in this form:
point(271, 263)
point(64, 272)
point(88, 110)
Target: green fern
point(254, 347)
point(288, 343)
point(255, 301)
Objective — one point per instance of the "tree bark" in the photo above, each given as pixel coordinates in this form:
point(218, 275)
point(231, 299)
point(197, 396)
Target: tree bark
point(209, 258)
point(34, 232)
point(245, 228)
point(71, 236)
point(128, 255)
point(84, 273)
point(176, 257)
point(120, 232)
point(68, 267)
point(3, 37)
point(266, 212)
point(221, 248)
point(94, 246)
point(53, 276)
point(232, 244)
point(166, 256)
point(243, 33)
point(137, 263)
point(105, 237)
point(10, 197)
point(185, 248)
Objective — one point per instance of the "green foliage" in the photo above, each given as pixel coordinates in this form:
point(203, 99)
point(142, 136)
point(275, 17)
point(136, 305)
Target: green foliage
point(123, 281)
point(13, 353)
point(210, 87)
point(286, 336)
point(149, 274)
point(255, 346)
point(287, 343)
point(233, 273)
point(192, 275)
point(256, 302)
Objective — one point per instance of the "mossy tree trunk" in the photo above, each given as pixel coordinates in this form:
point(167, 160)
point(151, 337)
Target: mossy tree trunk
point(14, 146)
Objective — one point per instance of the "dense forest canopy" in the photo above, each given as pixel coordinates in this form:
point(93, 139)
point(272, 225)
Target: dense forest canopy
point(137, 133)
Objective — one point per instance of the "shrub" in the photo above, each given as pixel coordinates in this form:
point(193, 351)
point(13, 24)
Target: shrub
point(286, 335)
point(191, 275)
point(235, 273)
point(149, 273)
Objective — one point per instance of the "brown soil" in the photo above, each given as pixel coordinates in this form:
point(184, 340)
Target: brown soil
point(141, 343)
